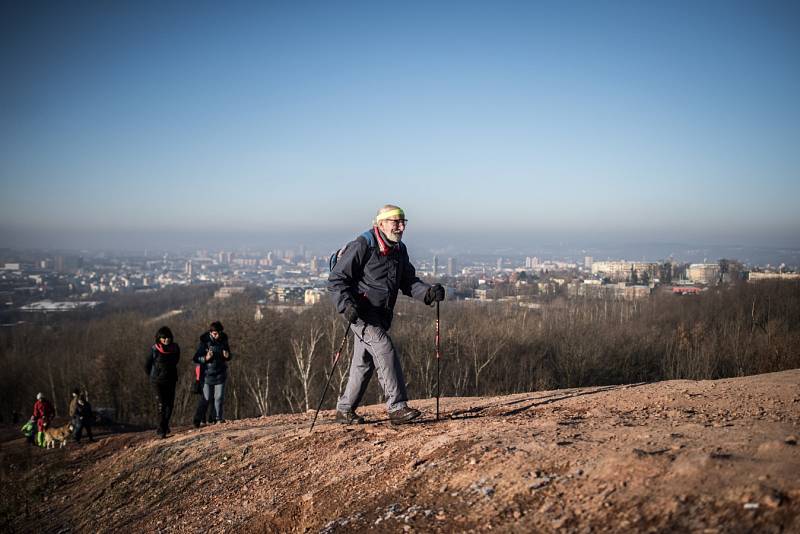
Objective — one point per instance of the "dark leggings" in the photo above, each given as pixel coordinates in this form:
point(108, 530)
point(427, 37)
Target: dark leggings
point(80, 426)
point(165, 397)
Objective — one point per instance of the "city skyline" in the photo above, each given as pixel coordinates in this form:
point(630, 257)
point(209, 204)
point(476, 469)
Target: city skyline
point(47, 283)
point(143, 125)
point(749, 256)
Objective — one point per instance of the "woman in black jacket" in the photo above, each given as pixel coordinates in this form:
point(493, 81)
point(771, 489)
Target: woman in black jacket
point(213, 355)
point(162, 368)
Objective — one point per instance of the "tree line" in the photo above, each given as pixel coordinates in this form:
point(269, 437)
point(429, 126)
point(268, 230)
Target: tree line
point(281, 361)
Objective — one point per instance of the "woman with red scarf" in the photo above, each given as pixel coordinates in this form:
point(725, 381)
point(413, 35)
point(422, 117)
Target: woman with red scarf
point(162, 368)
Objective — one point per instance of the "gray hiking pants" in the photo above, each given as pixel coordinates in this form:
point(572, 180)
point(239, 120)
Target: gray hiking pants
point(215, 392)
point(373, 349)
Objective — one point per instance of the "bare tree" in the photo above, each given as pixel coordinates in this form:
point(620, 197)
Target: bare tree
point(291, 398)
point(487, 348)
point(303, 350)
point(259, 390)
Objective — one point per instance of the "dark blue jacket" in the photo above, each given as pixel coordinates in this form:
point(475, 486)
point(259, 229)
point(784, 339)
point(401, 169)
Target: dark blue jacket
point(216, 370)
point(162, 365)
point(83, 412)
point(369, 280)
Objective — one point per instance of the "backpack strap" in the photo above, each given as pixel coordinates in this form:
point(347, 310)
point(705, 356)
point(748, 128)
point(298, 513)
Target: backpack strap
point(369, 237)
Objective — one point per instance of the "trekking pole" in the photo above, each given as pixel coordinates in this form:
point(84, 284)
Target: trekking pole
point(333, 368)
point(438, 390)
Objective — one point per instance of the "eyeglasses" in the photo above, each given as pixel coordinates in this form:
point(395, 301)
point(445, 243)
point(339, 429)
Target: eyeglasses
point(397, 222)
point(162, 337)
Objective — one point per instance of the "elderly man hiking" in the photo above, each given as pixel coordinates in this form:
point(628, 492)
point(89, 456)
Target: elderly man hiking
point(364, 282)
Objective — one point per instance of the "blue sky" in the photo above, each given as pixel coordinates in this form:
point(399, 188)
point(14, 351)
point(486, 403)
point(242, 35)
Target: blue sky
point(671, 121)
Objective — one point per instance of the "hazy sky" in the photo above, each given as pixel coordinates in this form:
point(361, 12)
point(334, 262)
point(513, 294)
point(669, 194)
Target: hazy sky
point(662, 120)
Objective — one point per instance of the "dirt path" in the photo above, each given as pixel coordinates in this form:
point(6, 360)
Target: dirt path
point(712, 456)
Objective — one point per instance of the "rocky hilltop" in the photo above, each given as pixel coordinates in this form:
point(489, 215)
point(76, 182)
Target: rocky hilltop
point(707, 456)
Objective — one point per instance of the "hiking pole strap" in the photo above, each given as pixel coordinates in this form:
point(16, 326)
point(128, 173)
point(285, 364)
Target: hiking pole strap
point(330, 375)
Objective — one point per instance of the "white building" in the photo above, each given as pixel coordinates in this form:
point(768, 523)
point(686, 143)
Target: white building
point(754, 277)
point(312, 296)
point(703, 273)
point(621, 270)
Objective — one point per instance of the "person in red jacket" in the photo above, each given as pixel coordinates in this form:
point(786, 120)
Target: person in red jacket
point(43, 412)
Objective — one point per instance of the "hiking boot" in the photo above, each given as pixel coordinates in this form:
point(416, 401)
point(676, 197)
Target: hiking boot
point(196, 423)
point(349, 417)
point(403, 415)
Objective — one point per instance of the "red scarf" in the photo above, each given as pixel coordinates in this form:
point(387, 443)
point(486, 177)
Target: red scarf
point(383, 246)
point(169, 349)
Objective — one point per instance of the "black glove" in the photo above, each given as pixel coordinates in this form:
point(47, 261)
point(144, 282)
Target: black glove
point(435, 293)
point(350, 313)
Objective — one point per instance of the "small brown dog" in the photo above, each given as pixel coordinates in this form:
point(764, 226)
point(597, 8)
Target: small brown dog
point(60, 434)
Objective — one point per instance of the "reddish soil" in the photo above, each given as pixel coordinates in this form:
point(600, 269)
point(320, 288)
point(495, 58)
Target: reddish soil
point(707, 456)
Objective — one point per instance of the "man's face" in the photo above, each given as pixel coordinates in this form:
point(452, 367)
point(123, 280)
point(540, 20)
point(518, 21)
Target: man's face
point(393, 228)
point(214, 334)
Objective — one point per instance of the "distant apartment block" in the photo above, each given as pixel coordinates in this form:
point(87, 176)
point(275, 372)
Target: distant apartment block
point(481, 294)
point(312, 296)
point(635, 292)
point(46, 306)
point(755, 277)
point(613, 270)
point(286, 294)
point(621, 271)
point(703, 273)
point(619, 291)
point(246, 262)
point(451, 266)
point(228, 291)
